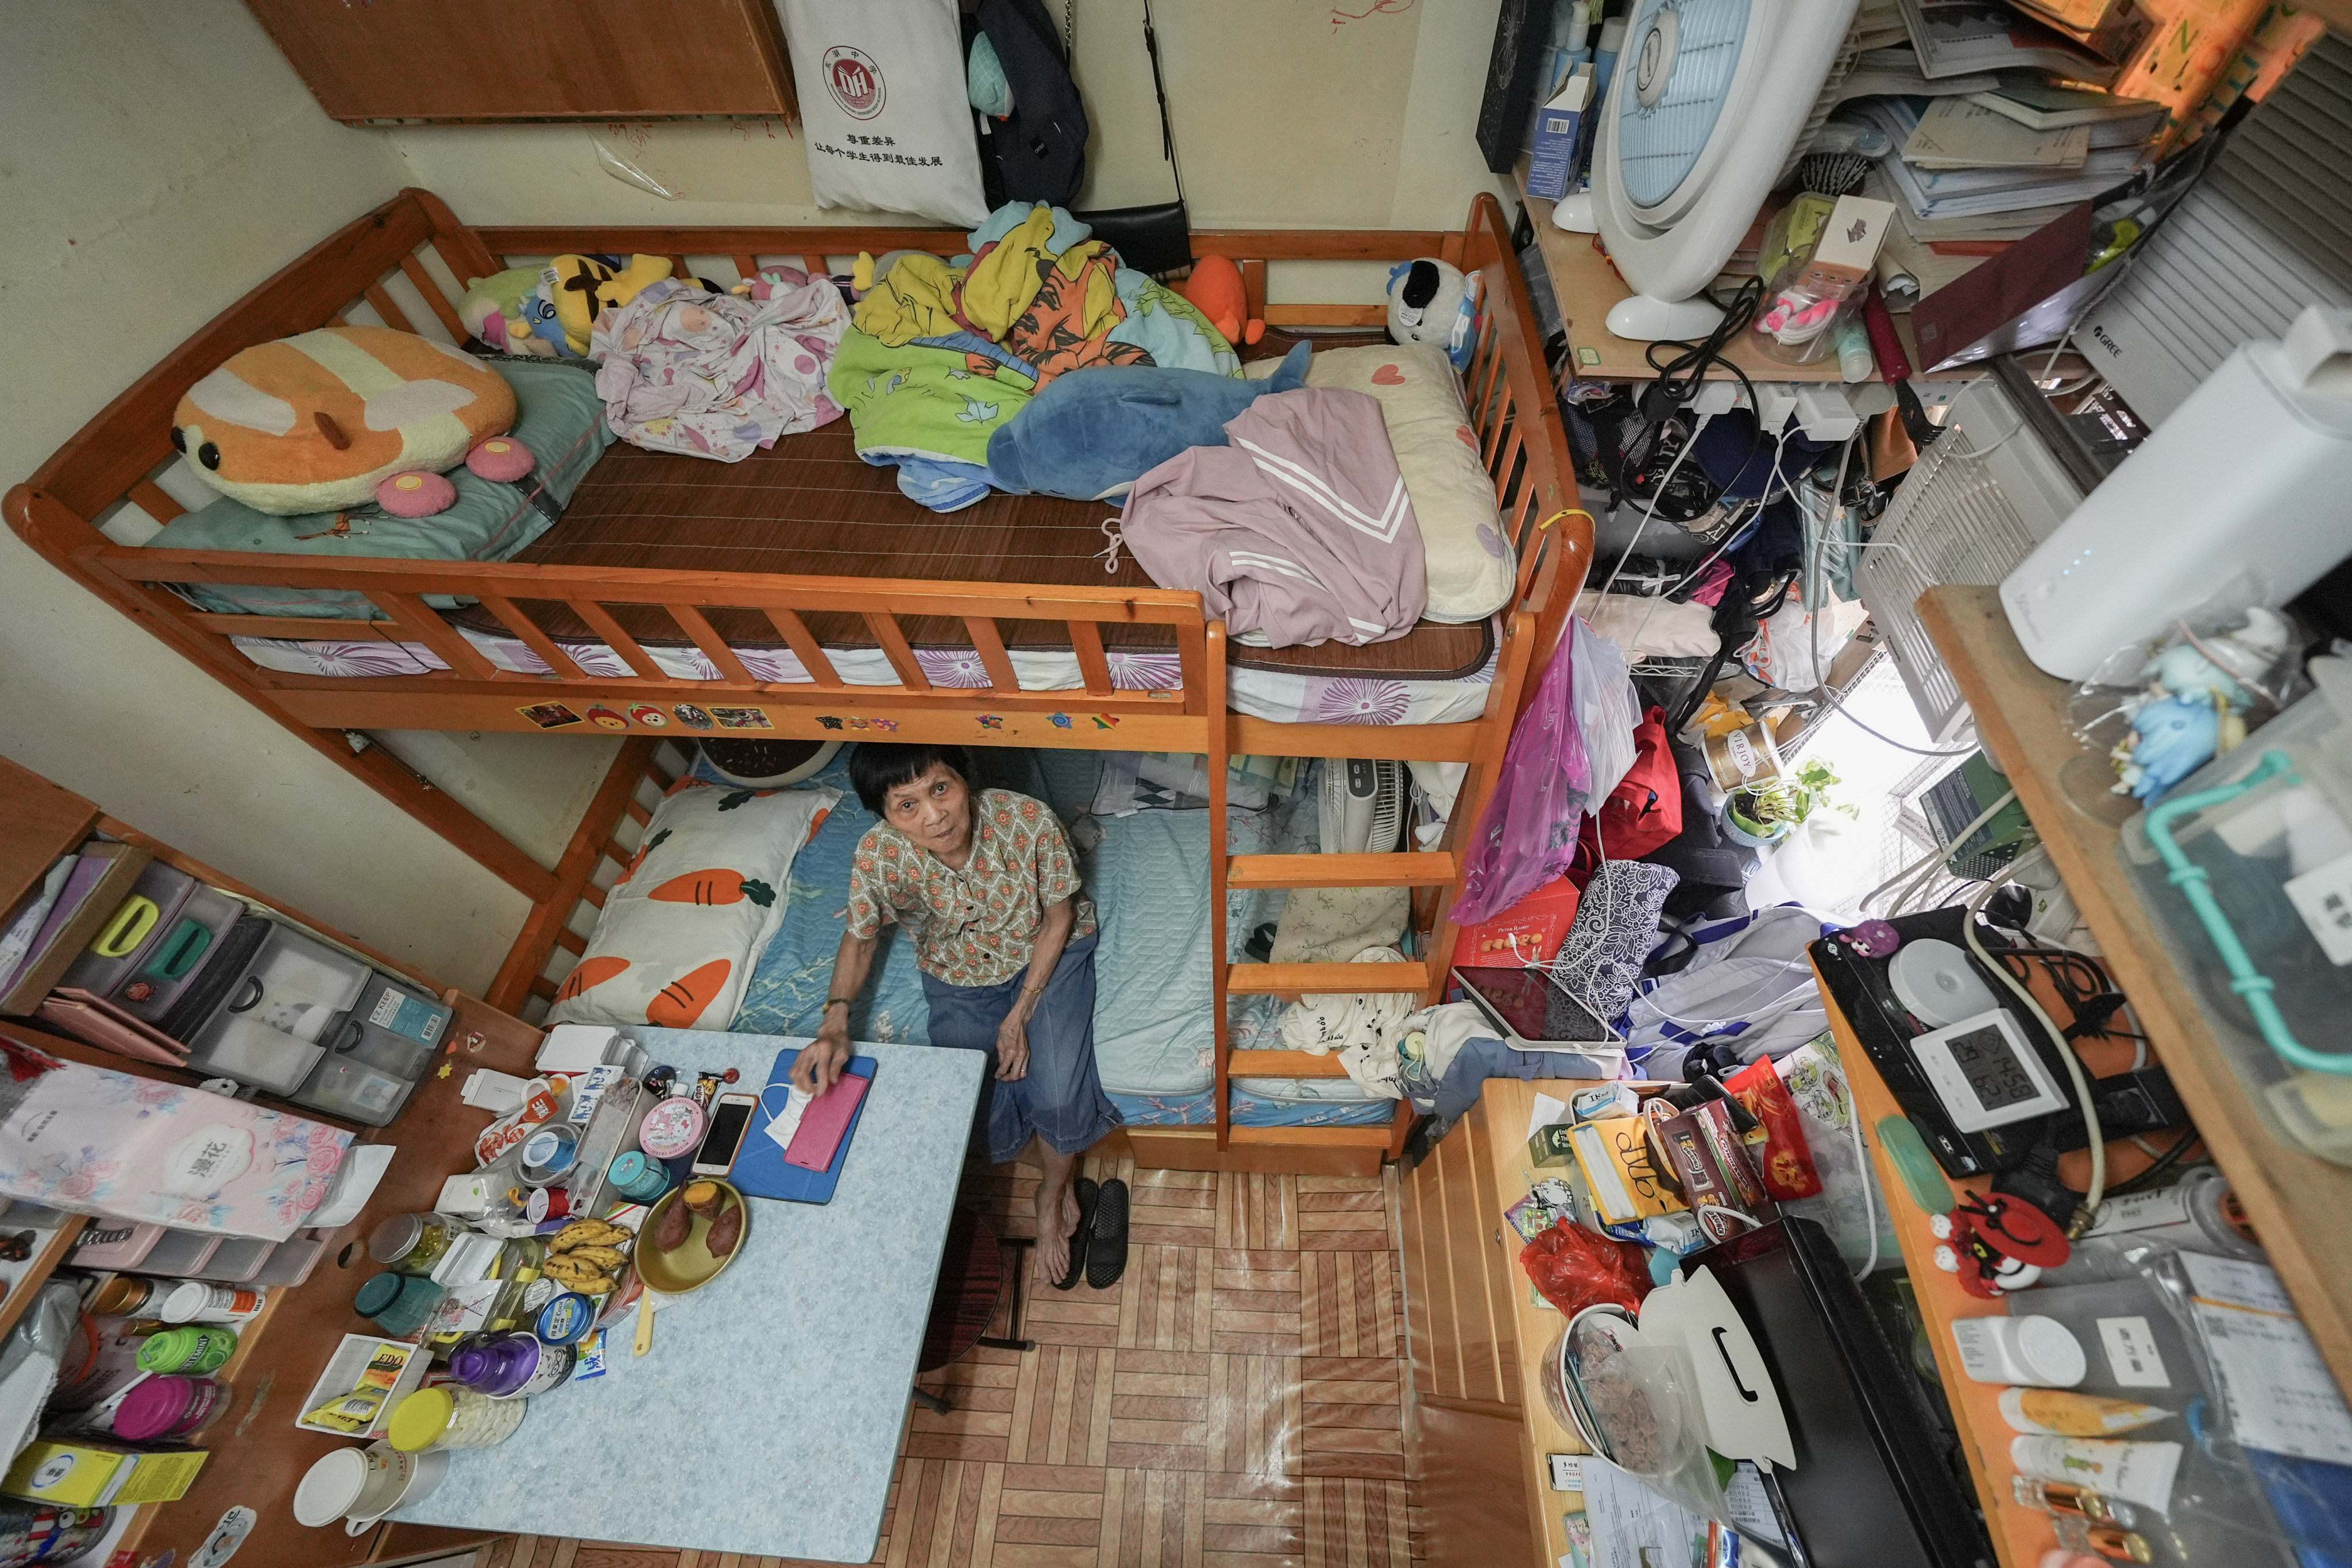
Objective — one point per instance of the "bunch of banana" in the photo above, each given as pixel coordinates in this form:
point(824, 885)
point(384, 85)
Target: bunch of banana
point(588, 1233)
point(578, 1270)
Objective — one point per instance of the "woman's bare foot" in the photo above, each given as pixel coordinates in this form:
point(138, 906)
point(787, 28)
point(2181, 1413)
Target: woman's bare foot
point(1054, 1240)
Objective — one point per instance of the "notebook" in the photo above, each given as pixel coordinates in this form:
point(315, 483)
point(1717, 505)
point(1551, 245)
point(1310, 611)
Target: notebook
point(760, 1169)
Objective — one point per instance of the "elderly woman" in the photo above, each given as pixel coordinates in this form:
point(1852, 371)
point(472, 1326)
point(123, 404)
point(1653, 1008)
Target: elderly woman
point(984, 882)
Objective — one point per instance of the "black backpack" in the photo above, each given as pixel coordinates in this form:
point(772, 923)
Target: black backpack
point(1039, 152)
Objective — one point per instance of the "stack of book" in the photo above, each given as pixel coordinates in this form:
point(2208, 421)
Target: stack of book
point(2009, 125)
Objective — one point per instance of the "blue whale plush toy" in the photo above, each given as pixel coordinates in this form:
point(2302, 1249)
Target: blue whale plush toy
point(1092, 433)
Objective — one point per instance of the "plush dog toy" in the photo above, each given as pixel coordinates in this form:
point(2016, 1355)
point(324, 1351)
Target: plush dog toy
point(1429, 302)
point(318, 421)
point(1216, 290)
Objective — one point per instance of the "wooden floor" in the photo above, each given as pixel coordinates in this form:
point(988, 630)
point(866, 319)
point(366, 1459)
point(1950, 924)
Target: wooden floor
point(1235, 1402)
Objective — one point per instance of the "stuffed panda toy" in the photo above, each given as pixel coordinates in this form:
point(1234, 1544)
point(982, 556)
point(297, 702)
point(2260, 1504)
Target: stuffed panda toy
point(1429, 302)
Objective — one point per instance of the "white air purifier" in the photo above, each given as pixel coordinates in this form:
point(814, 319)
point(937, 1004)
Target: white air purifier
point(1710, 103)
point(2252, 476)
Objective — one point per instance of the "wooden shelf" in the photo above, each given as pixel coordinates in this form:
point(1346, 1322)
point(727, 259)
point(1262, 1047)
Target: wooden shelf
point(1586, 286)
point(2296, 1202)
point(30, 1276)
point(2020, 1536)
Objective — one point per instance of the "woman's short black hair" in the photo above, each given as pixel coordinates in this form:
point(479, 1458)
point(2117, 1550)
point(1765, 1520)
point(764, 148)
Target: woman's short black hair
point(876, 767)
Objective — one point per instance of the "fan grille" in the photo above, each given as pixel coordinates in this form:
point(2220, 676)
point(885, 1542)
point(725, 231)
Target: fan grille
point(1659, 145)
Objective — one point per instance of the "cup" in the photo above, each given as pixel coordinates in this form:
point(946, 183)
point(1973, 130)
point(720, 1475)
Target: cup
point(329, 1488)
point(400, 1304)
point(423, 1473)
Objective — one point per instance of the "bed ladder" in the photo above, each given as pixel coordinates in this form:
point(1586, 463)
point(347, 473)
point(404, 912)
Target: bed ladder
point(1434, 873)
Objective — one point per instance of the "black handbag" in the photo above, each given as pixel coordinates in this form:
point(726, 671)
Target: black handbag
point(1156, 239)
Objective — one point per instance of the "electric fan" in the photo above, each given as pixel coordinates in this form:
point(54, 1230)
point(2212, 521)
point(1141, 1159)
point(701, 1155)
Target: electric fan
point(1362, 806)
point(1710, 105)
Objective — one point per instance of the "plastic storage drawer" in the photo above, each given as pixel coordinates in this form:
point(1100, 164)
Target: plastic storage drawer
point(150, 911)
point(2262, 838)
point(266, 1030)
point(193, 939)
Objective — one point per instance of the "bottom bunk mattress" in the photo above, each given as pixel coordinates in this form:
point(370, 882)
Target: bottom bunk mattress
point(1153, 1045)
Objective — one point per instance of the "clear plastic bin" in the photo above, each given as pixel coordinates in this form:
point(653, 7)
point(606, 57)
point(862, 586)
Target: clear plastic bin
point(267, 1031)
point(2261, 838)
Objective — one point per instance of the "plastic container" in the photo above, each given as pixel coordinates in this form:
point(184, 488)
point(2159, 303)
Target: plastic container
point(126, 1295)
point(399, 1304)
point(2028, 1350)
point(199, 1301)
point(184, 946)
point(549, 1153)
point(413, 1242)
point(237, 1261)
point(192, 1348)
point(672, 1126)
point(354, 1091)
point(290, 1261)
point(123, 1245)
point(2197, 1213)
point(2262, 837)
point(149, 912)
point(511, 1365)
point(181, 1252)
point(394, 1027)
point(266, 1032)
point(169, 1409)
point(359, 1486)
point(393, 1368)
point(432, 1419)
point(639, 1178)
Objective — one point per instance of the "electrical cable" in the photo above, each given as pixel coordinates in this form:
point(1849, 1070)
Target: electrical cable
point(2067, 1056)
point(1750, 1220)
point(1905, 873)
point(2157, 1167)
point(1869, 1205)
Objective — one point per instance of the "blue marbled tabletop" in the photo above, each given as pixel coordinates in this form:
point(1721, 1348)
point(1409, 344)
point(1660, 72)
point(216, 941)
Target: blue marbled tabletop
point(766, 1419)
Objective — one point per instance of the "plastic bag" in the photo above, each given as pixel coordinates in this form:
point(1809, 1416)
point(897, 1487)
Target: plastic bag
point(1526, 836)
point(2162, 709)
point(1608, 709)
point(1574, 1268)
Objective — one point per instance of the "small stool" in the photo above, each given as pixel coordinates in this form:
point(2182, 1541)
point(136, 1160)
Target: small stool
point(976, 1269)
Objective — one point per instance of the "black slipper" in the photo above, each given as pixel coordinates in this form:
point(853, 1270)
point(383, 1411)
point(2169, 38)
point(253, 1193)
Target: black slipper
point(1088, 1197)
point(1107, 1249)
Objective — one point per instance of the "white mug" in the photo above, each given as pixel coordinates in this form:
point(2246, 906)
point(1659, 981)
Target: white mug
point(423, 1472)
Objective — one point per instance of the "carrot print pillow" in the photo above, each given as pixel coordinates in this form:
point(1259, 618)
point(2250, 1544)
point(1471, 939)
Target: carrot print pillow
point(693, 910)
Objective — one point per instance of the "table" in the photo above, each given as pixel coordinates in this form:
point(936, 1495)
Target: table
point(767, 1418)
point(1586, 286)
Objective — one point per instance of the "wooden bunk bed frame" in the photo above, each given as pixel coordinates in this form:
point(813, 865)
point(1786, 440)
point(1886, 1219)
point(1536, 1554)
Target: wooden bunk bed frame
point(114, 461)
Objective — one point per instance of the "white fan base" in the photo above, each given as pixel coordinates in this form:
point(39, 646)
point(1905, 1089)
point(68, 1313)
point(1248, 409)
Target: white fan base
point(1645, 319)
point(1575, 213)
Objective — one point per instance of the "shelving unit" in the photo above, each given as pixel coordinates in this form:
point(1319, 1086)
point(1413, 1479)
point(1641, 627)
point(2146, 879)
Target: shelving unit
point(2296, 1202)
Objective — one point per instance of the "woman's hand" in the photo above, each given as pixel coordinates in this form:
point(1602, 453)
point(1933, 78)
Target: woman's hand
point(1012, 1046)
point(820, 1063)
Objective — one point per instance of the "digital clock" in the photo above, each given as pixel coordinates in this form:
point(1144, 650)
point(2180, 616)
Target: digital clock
point(1986, 1073)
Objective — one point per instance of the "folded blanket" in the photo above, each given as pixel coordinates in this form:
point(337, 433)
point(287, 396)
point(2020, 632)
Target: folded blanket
point(714, 375)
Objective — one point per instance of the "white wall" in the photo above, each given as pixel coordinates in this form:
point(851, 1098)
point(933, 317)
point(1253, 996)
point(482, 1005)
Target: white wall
point(1287, 114)
point(155, 163)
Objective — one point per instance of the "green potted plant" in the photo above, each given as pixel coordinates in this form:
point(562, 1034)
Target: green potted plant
point(1763, 814)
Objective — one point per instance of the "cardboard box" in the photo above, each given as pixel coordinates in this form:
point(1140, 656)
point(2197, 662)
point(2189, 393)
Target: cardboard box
point(1550, 1146)
point(1559, 154)
point(1848, 247)
point(98, 1475)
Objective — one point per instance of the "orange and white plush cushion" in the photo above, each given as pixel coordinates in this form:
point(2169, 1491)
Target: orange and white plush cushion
point(682, 929)
point(314, 422)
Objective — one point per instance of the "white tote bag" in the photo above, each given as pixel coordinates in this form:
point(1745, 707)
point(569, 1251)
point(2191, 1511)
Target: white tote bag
point(882, 99)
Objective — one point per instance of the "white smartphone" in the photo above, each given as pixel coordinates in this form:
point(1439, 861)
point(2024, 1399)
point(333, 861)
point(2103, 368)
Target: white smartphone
point(731, 1118)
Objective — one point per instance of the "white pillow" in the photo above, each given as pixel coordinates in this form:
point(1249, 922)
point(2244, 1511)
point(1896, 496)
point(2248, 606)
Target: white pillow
point(681, 930)
point(1472, 568)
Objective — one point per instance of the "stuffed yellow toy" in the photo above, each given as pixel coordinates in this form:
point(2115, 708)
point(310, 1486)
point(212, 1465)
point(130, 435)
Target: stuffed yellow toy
point(582, 287)
point(316, 421)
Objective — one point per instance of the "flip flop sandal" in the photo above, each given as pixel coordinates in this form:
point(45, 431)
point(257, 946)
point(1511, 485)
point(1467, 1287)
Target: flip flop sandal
point(1089, 1197)
point(1107, 1249)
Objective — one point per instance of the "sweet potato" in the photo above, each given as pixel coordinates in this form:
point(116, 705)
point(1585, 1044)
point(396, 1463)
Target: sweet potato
point(670, 1232)
point(726, 1230)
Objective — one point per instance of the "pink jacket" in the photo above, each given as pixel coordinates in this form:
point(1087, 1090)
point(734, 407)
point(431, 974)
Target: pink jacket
point(1298, 531)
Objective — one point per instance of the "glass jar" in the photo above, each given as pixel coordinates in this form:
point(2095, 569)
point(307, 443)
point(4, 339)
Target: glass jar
point(400, 1304)
point(453, 1416)
point(413, 1242)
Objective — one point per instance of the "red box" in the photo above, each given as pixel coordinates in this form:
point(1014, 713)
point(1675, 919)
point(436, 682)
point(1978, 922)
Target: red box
point(1530, 932)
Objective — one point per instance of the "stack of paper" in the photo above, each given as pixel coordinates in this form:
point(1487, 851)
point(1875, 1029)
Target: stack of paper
point(1962, 133)
point(1954, 36)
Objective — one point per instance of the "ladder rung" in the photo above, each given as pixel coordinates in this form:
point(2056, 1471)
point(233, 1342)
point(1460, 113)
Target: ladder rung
point(1301, 979)
point(1283, 1064)
point(1429, 868)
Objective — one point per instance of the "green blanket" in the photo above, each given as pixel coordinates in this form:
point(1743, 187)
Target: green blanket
point(917, 402)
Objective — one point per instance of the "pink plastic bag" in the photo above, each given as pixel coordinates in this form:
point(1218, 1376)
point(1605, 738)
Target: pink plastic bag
point(1528, 836)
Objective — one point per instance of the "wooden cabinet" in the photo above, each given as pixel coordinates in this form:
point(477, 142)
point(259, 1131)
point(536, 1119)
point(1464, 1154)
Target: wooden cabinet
point(535, 59)
point(1480, 1430)
point(257, 1454)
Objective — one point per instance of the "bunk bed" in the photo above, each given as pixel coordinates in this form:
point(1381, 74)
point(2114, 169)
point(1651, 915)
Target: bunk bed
point(1069, 657)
